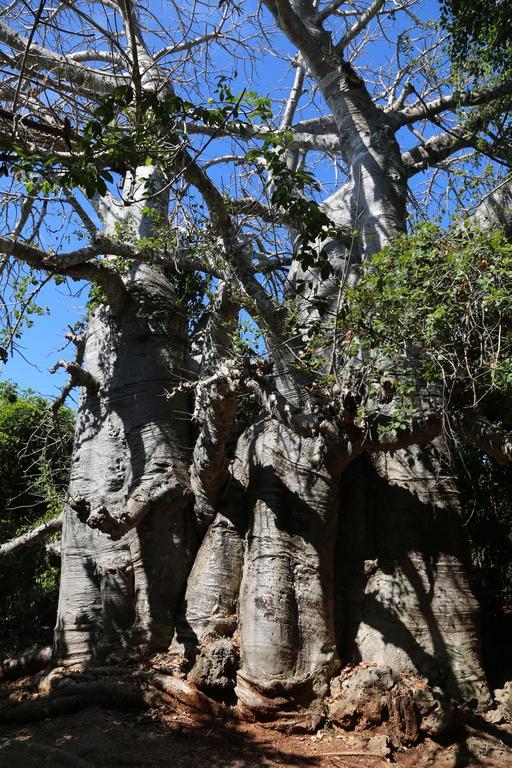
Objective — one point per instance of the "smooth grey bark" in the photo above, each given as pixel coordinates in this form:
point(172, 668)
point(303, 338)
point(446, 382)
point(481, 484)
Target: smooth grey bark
point(302, 567)
point(287, 639)
point(211, 604)
point(130, 439)
point(405, 599)
point(268, 572)
point(129, 537)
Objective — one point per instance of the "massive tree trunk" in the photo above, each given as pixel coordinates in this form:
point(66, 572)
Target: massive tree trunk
point(287, 638)
point(131, 455)
point(263, 561)
point(305, 558)
point(403, 565)
point(129, 536)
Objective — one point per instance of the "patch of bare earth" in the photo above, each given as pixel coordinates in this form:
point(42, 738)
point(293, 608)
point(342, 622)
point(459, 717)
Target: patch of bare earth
point(166, 733)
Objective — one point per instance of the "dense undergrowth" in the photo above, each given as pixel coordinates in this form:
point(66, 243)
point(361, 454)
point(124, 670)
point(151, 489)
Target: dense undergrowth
point(35, 451)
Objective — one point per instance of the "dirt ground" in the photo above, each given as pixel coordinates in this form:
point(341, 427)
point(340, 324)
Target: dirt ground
point(174, 738)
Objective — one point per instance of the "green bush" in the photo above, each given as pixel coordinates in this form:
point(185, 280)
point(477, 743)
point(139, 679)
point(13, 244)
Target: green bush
point(35, 451)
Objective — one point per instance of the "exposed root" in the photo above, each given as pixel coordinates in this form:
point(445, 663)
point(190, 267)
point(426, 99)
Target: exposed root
point(72, 697)
point(65, 691)
point(26, 664)
point(187, 694)
point(20, 753)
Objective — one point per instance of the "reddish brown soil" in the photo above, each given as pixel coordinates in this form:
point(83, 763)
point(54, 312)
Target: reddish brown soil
point(174, 738)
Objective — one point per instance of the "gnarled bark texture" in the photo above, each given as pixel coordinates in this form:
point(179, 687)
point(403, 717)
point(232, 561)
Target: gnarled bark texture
point(306, 559)
point(131, 457)
point(405, 596)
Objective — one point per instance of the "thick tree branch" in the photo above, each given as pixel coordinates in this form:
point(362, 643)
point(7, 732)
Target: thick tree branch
point(91, 54)
point(315, 135)
point(79, 342)
point(309, 38)
point(328, 10)
point(425, 110)
point(239, 266)
point(63, 262)
point(8, 119)
point(472, 429)
point(78, 264)
point(435, 150)
point(41, 531)
point(165, 488)
point(78, 375)
point(37, 56)
point(82, 213)
point(442, 145)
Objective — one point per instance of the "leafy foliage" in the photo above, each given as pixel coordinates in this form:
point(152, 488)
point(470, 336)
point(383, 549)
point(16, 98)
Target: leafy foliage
point(437, 305)
point(34, 461)
point(481, 34)
point(125, 132)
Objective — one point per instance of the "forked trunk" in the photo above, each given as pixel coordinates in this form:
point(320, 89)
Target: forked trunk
point(371, 567)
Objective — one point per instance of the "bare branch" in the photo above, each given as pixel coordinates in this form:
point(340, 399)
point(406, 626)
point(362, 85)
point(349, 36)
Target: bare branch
point(239, 264)
point(41, 531)
point(26, 52)
point(91, 54)
point(439, 147)
point(425, 110)
point(82, 213)
point(329, 10)
point(362, 22)
point(78, 375)
point(79, 342)
point(37, 56)
point(293, 99)
point(309, 39)
point(58, 263)
point(315, 139)
point(187, 45)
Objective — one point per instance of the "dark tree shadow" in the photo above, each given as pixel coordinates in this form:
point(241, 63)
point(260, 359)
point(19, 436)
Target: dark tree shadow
point(386, 529)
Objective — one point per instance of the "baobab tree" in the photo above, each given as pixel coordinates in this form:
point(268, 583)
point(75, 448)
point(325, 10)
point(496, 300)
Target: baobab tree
point(289, 501)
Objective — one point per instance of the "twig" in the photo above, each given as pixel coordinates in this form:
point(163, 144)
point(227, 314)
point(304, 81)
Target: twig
point(349, 754)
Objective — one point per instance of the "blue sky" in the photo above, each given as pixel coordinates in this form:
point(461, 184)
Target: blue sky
point(42, 345)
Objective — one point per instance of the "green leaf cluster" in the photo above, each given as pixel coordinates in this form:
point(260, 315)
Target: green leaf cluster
point(35, 452)
point(431, 319)
point(125, 132)
point(481, 34)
